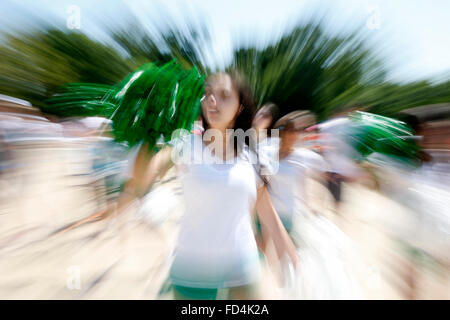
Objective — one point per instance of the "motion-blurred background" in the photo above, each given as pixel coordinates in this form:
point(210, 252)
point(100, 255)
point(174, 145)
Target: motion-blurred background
point(384, 57)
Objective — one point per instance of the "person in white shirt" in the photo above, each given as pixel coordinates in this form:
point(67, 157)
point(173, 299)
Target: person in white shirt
point(287, 180)
point(216, 248)
point(340, 156)
point(323, 248)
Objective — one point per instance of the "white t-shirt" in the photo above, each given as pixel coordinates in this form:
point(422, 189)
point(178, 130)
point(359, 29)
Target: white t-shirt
point(338, 153)
point(268, 156)
point(287, 185)
point(216, 247)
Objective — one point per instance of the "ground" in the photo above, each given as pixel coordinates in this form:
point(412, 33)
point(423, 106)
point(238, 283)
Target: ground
point(127, 257)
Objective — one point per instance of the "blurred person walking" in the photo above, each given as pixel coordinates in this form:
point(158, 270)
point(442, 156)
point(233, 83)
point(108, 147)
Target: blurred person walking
point(339, 155)
point(322, 247)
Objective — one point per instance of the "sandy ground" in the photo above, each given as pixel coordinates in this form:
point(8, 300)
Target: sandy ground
point(127, 257)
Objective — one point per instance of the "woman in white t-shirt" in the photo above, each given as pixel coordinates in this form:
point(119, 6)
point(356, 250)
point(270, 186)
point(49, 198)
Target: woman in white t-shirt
point(216, 248)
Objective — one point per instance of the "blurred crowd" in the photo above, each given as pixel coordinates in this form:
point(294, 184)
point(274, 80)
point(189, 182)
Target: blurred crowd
point(420, 234)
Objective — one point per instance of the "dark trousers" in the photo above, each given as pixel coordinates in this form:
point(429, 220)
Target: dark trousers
point(335, 185)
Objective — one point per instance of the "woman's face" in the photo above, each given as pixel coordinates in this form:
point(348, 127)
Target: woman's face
point(220, 104)
point(262, 119)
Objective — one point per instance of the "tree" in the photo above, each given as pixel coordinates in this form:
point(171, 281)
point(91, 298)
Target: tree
point(35, 64)
point(306, 68)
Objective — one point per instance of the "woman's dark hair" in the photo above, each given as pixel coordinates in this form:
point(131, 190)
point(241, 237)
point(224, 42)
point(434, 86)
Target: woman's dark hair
point(296, 120)
point(410, 120)
point(274, 112)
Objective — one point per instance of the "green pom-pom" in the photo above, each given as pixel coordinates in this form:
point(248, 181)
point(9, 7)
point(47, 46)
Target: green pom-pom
point(374, 133)
point(150, 102)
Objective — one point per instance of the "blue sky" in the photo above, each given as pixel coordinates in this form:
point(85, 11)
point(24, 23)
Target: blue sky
point(413, 36)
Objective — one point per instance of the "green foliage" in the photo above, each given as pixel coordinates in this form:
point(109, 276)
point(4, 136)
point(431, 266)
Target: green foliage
point(309, 69)
point(187, 43)
point(35, 65)
point(305, 69)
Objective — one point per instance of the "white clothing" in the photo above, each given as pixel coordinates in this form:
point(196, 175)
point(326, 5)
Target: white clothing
point(338, 153)
point(287, 185)
point(268, 156)
point(329, 262)
point(216, 247)
point(324, 250)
